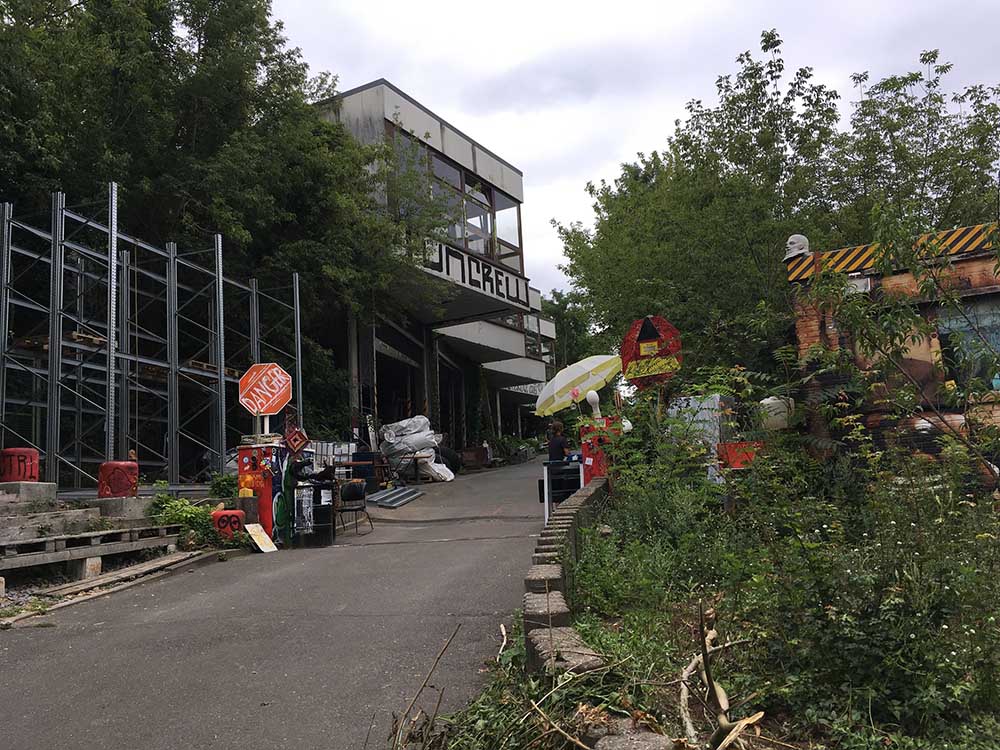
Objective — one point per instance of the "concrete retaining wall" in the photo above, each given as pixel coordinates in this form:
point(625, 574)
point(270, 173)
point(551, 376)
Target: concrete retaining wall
point(551, 643)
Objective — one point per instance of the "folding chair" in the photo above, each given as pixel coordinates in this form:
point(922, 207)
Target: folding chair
point(353, 500)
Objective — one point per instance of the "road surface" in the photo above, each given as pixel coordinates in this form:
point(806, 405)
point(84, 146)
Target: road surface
point(292, 650)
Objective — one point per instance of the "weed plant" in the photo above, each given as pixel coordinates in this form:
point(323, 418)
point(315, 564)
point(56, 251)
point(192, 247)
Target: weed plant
point(867, 583)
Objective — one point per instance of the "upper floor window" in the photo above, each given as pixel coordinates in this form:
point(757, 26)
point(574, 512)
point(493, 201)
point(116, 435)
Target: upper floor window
point(508, 220)
point(478, 189)
point(446, 172)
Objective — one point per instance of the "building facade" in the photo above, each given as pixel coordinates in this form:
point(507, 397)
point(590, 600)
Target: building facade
point(472, 362)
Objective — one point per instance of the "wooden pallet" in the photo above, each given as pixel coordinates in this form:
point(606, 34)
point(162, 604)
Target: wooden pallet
point(85, 338)
point(208, 367)
point(90, 544)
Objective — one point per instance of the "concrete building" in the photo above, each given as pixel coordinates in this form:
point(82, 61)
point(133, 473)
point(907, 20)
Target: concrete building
point(472, 363)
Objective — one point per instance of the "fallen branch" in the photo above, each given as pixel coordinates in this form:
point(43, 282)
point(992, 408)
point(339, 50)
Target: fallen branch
point(503, 632)
point(558, 728)
point(397, 743)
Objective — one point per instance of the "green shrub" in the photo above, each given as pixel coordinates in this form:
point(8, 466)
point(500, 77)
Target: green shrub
point(868, 585)
point(195, 520)
point(224, 485)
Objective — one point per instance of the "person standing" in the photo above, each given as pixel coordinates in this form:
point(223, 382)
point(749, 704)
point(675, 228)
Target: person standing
point(558, 445)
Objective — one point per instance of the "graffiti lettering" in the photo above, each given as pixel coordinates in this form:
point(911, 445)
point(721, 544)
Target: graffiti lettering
point(476, 273)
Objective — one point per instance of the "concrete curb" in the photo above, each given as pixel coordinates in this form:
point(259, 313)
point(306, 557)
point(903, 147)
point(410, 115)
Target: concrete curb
point(450, 519)
point(208, 556)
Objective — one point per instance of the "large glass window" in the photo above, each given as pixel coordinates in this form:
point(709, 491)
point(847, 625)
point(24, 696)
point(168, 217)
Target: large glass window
point(508, 220)
point(478, 189)
point(478, 227)
point(452, 200)
point(446, 172)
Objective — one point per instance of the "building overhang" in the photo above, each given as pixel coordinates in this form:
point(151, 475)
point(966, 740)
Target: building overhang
point(514, 372)
point(525, 395)
point(483, 341)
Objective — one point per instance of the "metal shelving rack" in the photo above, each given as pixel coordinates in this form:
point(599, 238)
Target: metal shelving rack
point(152, 342)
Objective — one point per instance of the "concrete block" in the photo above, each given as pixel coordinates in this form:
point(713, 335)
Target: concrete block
point(546, 558)
point(25, 528)
point(3, 587)
point(635, 739)
point(542, 578)
point(84, 568)
point(545, 611)
point(553, 650)
point(31, 492)
point(121, 507)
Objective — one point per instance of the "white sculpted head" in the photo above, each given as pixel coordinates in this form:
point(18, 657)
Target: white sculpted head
point(798, 244)
point(595, 403)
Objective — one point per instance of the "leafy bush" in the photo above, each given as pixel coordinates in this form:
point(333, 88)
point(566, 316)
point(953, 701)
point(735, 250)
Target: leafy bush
point(883, 560)
point(224, 485)
point(195, 520)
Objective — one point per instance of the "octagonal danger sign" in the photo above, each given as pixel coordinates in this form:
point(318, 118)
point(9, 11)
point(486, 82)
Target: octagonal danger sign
point(265, 389)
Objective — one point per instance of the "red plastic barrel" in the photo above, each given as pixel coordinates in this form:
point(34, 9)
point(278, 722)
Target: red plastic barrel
point(18, 465)
point(228, 522)
point(118, 479)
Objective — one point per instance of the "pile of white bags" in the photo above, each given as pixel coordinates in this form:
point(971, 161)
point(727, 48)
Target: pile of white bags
point(413, 440)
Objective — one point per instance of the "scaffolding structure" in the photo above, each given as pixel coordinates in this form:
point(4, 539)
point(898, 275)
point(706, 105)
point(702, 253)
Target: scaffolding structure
point(112, 345)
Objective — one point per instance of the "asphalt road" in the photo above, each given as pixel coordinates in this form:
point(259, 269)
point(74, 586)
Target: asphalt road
point(291, 650)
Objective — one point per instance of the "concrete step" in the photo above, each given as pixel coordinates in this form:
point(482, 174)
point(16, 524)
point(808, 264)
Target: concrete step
point(22, 508)
point(23, 528)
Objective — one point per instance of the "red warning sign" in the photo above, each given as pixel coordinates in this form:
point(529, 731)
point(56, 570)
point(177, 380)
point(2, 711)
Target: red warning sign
point(265, 389)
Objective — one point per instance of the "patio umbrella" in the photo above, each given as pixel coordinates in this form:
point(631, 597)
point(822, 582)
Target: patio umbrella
point(570, 385)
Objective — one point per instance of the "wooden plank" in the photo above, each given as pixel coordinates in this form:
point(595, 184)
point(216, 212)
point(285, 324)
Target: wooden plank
point(133, 571)
point(27, 560)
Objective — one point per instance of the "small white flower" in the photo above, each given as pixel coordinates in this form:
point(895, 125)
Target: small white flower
point(913, 635)
point(944, 627)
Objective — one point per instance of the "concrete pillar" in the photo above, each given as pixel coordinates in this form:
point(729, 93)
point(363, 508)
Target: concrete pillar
point(520, 432)
point(88, 567)
point(432, 378)
point(499, 419)
point(354, 370)
point(3, 587)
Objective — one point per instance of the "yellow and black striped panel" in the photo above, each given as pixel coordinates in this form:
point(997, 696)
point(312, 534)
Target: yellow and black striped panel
point(852, 259)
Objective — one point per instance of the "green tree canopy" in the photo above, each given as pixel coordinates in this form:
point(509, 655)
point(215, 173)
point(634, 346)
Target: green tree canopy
point(697, 232)
point(205, 117)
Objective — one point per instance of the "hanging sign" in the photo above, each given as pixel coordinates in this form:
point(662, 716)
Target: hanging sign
point(651, 351)
point(265, 389)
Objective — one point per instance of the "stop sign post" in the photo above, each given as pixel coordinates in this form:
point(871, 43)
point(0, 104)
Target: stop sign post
point(265, 389)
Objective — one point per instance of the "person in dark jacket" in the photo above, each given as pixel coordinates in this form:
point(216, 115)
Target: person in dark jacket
point(558, 445)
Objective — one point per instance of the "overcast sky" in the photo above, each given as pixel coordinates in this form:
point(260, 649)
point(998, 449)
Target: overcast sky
point(567, 91)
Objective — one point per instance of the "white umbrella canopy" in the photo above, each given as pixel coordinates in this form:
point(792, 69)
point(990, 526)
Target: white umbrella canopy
point(588, 374)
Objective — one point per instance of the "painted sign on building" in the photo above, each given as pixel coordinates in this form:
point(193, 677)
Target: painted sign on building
point(475, 272)
point(651, 351)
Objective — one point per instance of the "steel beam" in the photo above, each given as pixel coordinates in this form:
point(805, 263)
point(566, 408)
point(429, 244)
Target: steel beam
point(254, 323)
point(173, 364)
point(220, 355)
point(6, 213)
point(124, 348)
point(53, 420)
point(298, 349)
point(112, 332)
